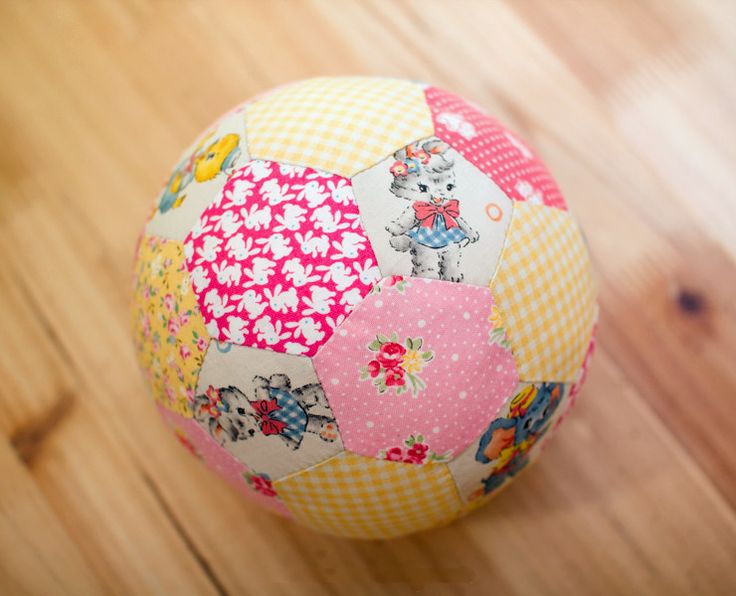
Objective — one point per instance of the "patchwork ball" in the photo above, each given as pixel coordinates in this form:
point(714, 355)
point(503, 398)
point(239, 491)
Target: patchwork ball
point(364, 303)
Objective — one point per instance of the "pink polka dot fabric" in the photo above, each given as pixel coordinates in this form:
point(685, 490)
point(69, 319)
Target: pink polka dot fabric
point(414, 358)
point(280, 258)
point(493, 149)
point(200, 444)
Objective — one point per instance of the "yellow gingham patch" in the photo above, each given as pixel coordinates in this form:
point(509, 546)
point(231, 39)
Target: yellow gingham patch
point(341, 125)
point(362, 497)
point(544, 288)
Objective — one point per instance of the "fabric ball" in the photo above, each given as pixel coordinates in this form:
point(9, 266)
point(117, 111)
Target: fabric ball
point(364, 303)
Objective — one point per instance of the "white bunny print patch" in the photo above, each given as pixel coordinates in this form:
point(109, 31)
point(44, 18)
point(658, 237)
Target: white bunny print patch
point(280, 258)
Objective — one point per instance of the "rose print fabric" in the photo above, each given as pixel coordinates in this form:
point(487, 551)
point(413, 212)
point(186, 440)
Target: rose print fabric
point(169, 332)
point(493, 149)
point(280, 258)
point(257, 487)
point(414, 358)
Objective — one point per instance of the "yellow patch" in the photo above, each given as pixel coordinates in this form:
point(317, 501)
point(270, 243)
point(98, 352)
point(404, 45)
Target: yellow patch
point(362, 497)
point(169, 332)
point(341, 125)
point(545, 291)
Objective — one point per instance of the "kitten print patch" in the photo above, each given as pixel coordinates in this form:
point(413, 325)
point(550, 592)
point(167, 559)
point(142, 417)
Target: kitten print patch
point(430, 213)
point(268, 410)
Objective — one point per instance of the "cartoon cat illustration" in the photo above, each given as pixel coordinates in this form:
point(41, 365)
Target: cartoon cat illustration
point(276, 410)
point(430, 228)
point(507, 440)
point(204, 163)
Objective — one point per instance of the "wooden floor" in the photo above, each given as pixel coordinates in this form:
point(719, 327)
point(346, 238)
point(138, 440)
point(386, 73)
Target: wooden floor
point(630, 103)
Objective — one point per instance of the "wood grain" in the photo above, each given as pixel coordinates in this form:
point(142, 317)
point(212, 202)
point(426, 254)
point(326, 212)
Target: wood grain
point(631, 105)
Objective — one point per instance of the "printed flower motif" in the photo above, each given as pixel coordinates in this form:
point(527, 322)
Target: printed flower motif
point(414, 451)
point(497, 332)
point(412, 166)
point(421, 155)
point(169, 302)
point(396, 363)
point(215, 406)
point(396, 282)
point(374, 368)
point(390, 353)
point(167, 325)
point(399, 169)
point(260, 483)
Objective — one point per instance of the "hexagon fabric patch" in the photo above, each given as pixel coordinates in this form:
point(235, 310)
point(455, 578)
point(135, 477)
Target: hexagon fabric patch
point(267, 409)
point(340, 125)
point(354, 496)
point(582, 373)
point(509, 441)
point(255, 486)
point(545, 291)
point(168, 329)
point(496, 151)
point(416, 357)
point(430, 213)
point(280, 257)
point(198, 179)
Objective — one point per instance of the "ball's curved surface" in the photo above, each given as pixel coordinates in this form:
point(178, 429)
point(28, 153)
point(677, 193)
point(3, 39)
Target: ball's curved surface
point(364, 303)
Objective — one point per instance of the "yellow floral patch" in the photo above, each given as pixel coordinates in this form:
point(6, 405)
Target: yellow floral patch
point(362, 497)
point(169, 332)
point(337, 124)
point(545, 291)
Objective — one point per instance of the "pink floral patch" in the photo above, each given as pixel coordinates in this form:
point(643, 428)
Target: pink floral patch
point(414, 451)
point(396, 365)
point(199, 443)
point(464, 382)
point(280, 258)
point(512, 165)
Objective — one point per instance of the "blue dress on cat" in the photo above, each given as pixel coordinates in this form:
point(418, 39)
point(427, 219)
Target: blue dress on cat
point(438, 236)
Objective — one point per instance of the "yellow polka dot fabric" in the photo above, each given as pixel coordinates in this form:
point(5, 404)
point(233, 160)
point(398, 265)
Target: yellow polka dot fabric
point(361, 497)
point(169, 332)
point(546, 293)
point(337, 124)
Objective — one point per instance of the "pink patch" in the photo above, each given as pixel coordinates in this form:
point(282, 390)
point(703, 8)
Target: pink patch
point(493, 149)
point(280, 258)
point(456, 391)
point(216, 458)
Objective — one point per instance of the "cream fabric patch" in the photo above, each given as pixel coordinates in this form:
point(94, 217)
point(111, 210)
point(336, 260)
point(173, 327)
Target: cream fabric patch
point(267, 409)
point(341, 124)
point(546, 294)
point(458, 238)
point(199, 177)
point(355, 496)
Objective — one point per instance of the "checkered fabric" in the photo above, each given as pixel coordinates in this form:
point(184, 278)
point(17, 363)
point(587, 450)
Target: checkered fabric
point(341, 125)
point(362, 497)
point(545, 290)
point(438, 235)
point(291, 413)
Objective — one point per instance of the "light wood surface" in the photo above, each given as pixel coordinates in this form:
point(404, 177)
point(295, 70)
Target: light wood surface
point(630, 103)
